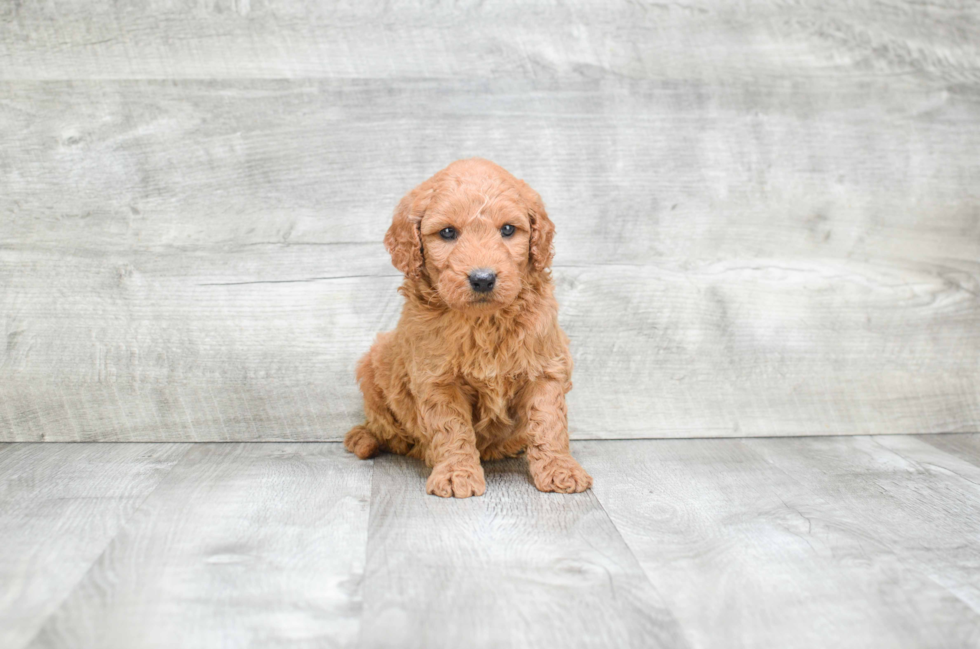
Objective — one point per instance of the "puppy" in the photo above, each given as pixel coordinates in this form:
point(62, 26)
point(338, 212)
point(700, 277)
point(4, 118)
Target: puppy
point(477, 367)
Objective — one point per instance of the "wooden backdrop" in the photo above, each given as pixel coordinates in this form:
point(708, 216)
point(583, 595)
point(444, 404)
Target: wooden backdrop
point(768, 211)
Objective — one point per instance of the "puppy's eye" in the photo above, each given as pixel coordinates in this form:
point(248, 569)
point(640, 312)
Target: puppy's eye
point(508, 230)
point(448, 234)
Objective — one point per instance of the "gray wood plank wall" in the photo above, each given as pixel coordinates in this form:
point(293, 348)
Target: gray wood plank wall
point(768, 213)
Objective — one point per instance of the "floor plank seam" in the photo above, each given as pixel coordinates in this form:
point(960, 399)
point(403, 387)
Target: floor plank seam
point(969, 458)
point(367, 545)
point(122, 528)
point(639, 565)
point(922, 465)
point(910, 563)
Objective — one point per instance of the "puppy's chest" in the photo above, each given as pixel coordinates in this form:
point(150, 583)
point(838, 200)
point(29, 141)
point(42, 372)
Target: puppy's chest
point(492, 397)
point(498, 377)
point(493, 370)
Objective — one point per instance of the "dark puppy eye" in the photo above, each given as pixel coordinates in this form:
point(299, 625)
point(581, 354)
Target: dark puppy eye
point(448, 233)
point(508, 230)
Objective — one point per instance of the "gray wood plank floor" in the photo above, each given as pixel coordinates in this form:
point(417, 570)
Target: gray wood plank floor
point(241, 545)
point(791, 542)
point(777, 561)
point(60, 506)
point(515, 568)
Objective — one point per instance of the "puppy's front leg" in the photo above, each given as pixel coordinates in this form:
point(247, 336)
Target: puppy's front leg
point(451, 448)
point(545, 417)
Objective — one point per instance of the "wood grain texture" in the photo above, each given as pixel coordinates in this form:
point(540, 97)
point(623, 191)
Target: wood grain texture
point(918, 500)
point(450, 39)
point(241, 545)
point(806, 542)
point(747, 556)
point(60, 505)
point(202, 260)
point(965, 447)
point(768, 215)
point(515, 567)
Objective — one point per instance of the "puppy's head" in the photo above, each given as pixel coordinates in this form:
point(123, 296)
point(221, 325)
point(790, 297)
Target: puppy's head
point(472, 232)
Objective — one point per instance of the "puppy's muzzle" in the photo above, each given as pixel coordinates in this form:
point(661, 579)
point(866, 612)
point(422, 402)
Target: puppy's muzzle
point(482, 280)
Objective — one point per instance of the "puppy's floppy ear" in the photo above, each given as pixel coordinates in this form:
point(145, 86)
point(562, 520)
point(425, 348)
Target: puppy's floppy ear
point(542, 229)
point(403, 240)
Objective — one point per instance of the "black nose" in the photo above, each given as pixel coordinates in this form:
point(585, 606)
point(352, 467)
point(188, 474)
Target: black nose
point(482, 280)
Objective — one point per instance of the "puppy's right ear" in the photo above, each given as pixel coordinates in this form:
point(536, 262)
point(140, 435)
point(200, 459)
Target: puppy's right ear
point(404, 238)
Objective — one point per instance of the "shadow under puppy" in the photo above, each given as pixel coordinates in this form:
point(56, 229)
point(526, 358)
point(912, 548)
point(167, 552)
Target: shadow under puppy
point(477, 367)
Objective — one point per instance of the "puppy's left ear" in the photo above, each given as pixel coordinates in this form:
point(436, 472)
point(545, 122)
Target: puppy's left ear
point(542, 229)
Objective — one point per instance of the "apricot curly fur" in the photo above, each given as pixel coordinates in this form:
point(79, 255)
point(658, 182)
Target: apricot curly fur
point(470, 375)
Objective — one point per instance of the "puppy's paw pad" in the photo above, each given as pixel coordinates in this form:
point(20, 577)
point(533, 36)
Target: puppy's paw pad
point(361, 442)
point(560, 473)
point(454, 481)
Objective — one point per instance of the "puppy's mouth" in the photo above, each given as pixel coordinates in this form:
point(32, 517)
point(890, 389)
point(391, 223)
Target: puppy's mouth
point(482, 303)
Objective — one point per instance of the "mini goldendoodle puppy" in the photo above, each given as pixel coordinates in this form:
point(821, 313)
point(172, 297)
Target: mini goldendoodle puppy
point(478, 367)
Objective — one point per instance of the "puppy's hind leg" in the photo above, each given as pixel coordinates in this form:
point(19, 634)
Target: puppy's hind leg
point(361, 442)
point(380, 431)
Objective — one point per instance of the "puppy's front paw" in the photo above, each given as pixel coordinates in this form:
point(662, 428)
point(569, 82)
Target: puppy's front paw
point(456, 480)
point(560, 473)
